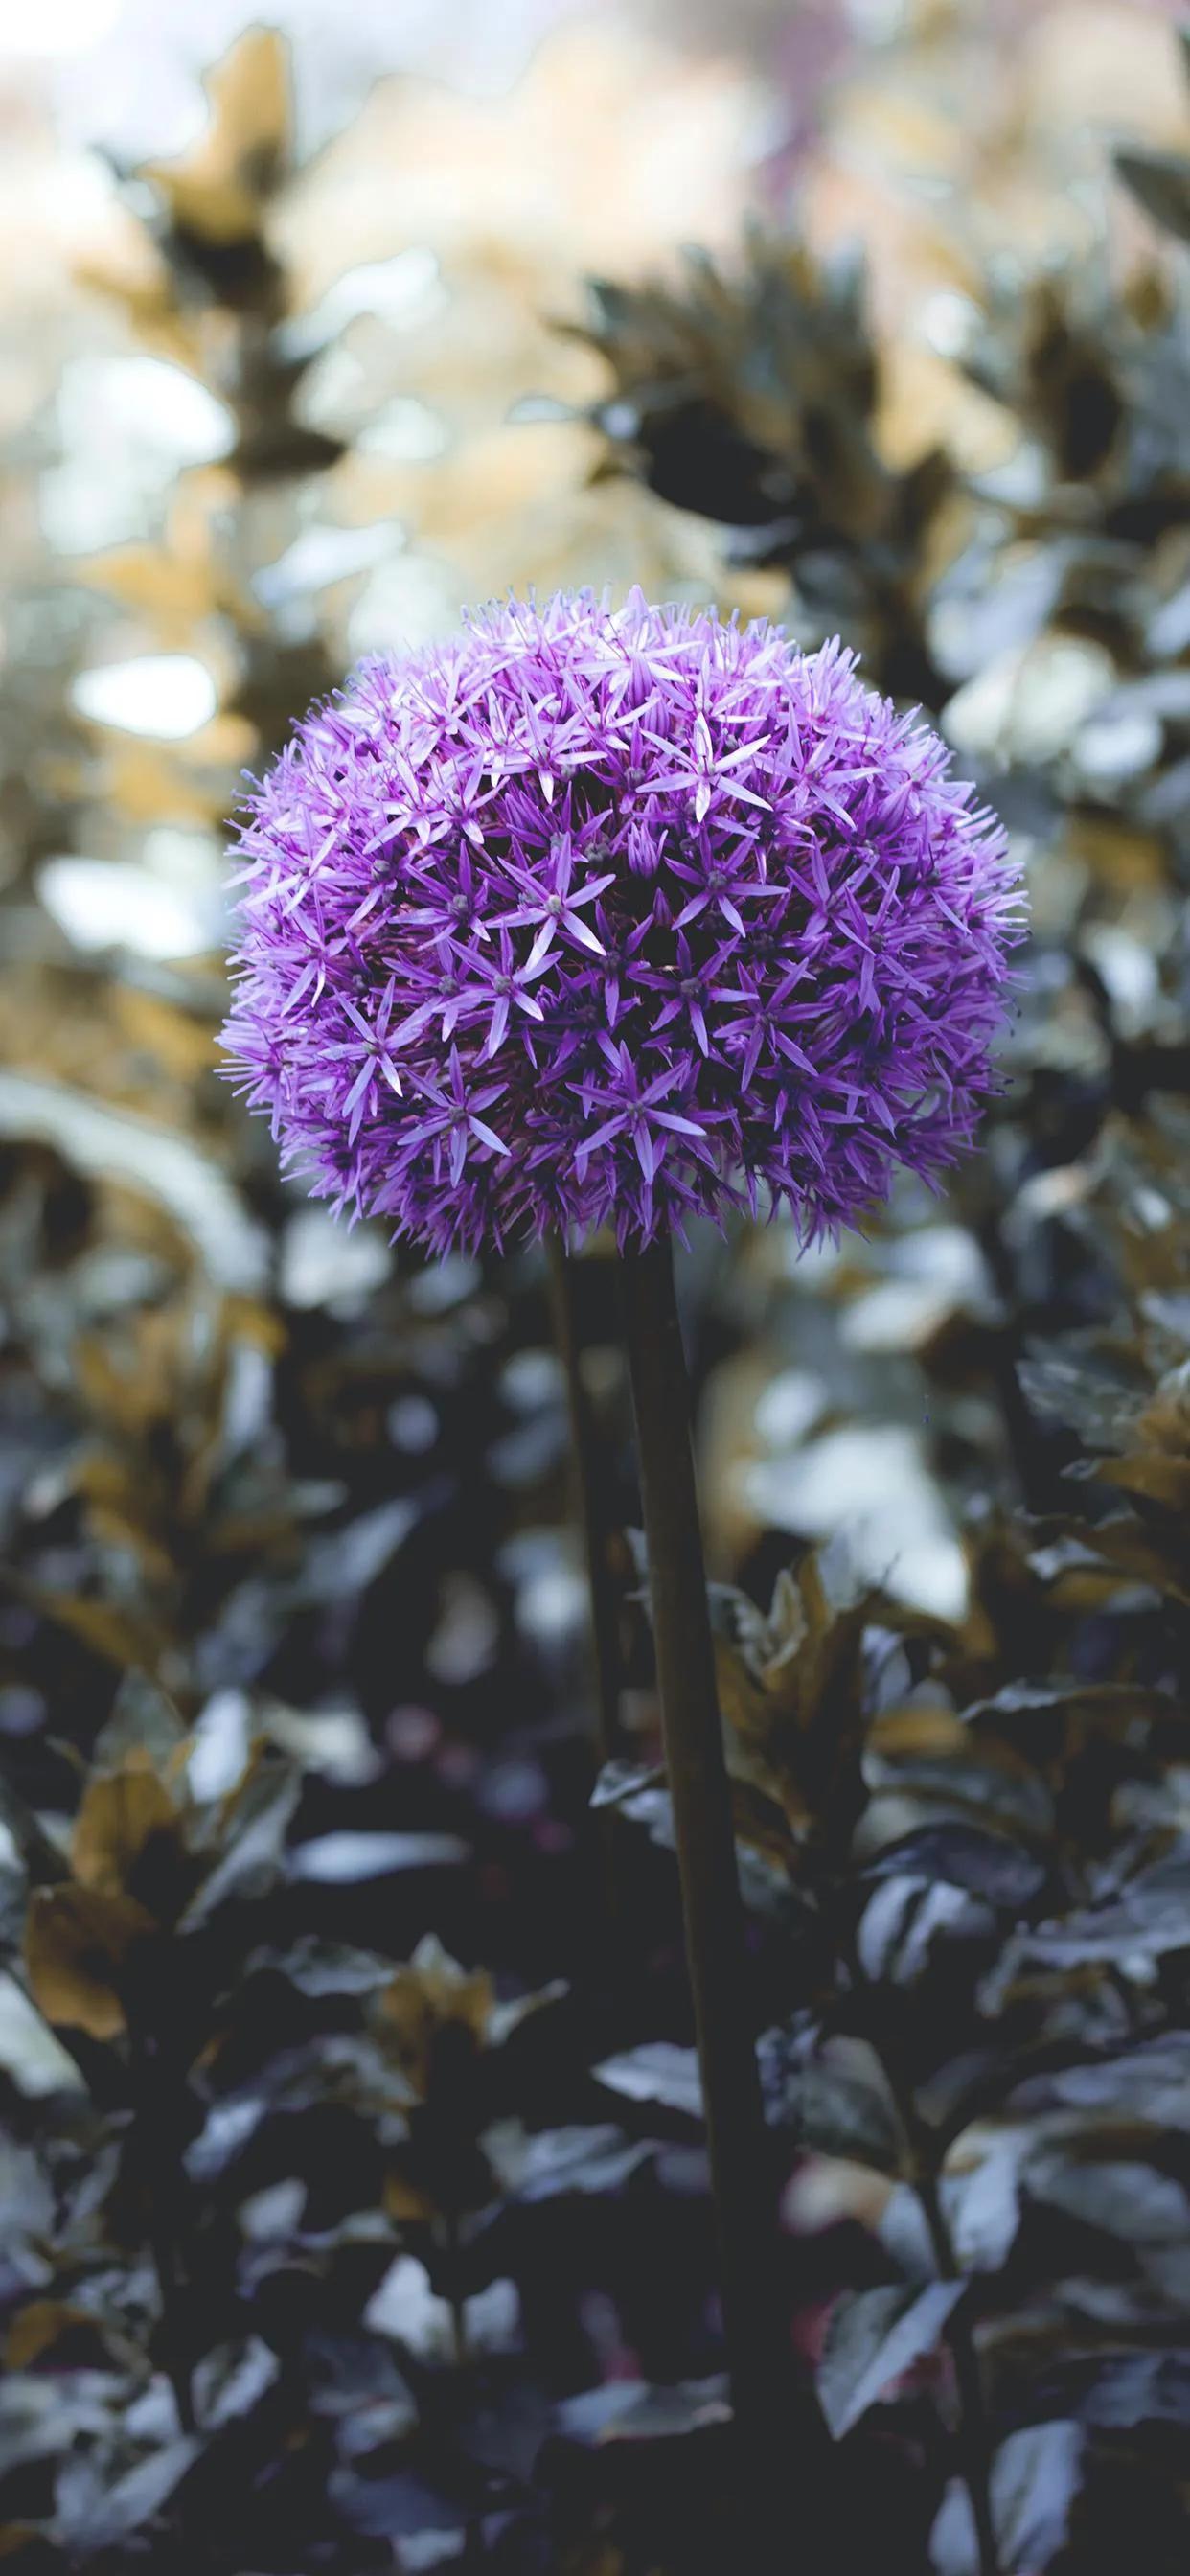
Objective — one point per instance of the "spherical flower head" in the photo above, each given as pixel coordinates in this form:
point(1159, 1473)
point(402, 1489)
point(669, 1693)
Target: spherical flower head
point(599, 915)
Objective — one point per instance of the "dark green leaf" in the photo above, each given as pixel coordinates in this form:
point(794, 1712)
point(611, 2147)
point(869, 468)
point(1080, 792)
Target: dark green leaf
point(874, 2339)
point(1035, 2480)
point(659, 2071)
point(1160, 181)
point(627, 2410)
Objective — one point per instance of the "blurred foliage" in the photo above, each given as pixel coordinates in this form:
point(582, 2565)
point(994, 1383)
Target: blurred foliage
point(750, 398)
point(354, 2188)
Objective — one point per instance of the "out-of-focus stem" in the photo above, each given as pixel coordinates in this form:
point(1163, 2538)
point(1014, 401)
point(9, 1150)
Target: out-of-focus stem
point(157, 2149)
point(590, 1485)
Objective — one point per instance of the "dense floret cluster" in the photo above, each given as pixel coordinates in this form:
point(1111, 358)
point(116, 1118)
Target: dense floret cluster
point(616, 915)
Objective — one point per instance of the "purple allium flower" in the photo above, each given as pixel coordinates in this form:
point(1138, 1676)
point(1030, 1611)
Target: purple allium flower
point(616, 915)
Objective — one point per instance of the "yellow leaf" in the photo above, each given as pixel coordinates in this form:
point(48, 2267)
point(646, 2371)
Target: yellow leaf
point(403, 2201)
point(216, 188)
point(120, 1637)
point(1153, 1474)
point(173, 592)
point(916, 1734)
point(38, 2326)
point(432, 1993)
point(182, 1043)
point(147, 785)
point(76, 1942)
point(121, 1812)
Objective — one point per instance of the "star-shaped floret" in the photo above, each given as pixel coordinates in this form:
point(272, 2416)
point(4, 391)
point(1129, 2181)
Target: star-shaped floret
point(616, 915)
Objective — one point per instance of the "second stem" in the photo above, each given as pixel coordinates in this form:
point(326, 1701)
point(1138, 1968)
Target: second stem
point(591, 1498)
point(755, 2324)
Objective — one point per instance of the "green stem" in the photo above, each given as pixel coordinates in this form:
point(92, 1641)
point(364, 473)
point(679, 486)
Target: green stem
point(457, 2303)
point(162, 2183)
point(754, 2315)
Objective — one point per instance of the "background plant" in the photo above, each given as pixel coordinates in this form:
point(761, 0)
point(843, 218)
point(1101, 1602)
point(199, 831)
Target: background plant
point(316, 1499)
